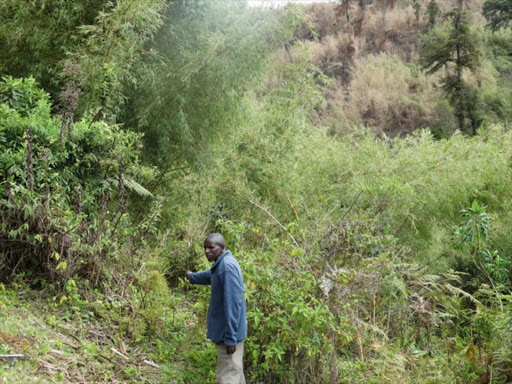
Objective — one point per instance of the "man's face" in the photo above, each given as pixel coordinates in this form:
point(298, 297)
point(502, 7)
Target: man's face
point(212, 250)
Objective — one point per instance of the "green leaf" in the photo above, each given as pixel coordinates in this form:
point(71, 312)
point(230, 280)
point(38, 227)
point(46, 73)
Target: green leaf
point(63, 265)
point(137, 188)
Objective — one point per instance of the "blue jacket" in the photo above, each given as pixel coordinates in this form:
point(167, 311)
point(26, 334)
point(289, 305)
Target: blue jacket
point(226, 315)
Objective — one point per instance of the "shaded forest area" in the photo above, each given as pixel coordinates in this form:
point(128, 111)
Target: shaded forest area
point(356, 156)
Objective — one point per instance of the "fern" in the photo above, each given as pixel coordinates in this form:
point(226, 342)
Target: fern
point(137, 188)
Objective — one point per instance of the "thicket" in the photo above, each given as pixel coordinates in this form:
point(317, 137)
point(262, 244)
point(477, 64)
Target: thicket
point(370, 241)
point(368, 257)
point(91, 46)
point(65, 195)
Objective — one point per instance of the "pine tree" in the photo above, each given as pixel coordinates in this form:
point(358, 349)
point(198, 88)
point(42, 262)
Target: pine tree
point(498, 13)
point(455, 51)
point(433, 12)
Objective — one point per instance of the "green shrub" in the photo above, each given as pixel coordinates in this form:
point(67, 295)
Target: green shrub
point(64, 203)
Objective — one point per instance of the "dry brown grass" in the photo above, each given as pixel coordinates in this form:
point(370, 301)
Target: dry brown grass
point(324, 19)
point(338, 42)
point(394, 33)
point(386, 95)
point(390, 26)
point(335, 55)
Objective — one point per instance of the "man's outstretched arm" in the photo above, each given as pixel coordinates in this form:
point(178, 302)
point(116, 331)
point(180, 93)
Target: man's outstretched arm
point(201, 278)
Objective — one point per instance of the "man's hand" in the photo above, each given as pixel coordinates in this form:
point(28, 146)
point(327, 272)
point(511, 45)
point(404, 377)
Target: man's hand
point(230, 349)
point(188, 274)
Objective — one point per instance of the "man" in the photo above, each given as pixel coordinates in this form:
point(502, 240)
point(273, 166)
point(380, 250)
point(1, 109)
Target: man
point(227, 324)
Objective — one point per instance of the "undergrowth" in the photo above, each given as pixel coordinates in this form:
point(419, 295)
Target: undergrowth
point(372, 234)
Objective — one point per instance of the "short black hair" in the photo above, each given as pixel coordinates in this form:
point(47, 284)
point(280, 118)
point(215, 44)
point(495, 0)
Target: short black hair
point(217, 238)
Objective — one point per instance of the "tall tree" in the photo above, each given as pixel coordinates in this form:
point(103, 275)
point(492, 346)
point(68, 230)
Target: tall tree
point(433, 12)
point(342, 9)
point(498, 13)
point(456, 51)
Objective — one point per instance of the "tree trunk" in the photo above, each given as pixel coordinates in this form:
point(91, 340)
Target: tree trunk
point(460, 107)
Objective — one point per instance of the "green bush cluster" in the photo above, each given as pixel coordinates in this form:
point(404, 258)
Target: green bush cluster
point(63, 200)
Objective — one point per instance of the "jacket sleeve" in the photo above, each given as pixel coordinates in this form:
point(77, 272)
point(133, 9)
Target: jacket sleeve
point(233, 298)
point(201, 278)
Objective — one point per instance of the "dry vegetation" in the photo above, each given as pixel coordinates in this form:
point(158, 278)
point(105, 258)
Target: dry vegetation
point(384, 93)
point(370, 51)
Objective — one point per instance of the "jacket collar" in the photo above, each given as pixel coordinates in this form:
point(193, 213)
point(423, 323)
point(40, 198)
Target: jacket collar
point(217, 262)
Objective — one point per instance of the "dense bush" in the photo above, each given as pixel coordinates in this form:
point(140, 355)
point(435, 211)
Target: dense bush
point(102, 41)
point(64, 195)
point(358, 235)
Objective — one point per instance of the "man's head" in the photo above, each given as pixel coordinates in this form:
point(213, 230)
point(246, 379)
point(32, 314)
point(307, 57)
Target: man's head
point(214, 246)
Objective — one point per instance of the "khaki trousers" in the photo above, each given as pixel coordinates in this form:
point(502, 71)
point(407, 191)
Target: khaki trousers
point(230, 368)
